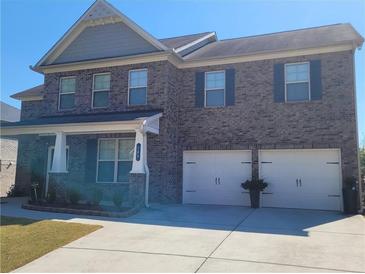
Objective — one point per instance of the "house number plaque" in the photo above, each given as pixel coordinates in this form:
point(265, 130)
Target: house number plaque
point(138, 152)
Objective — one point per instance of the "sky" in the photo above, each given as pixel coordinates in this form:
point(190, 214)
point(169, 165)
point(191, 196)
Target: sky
point(29, 28)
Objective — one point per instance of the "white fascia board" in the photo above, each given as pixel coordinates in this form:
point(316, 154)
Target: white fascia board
point(178, 62)
point(107, 62)
point(212, 34)
point(28, 98)
point(72, 129)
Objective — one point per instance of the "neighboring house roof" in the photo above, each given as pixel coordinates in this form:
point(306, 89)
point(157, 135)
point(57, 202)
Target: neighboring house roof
point(85, 118)
point(9, 113)
point(280, 41)
point(179, 41)
point(34, 93)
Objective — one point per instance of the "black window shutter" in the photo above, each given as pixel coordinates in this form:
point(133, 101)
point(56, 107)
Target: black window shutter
point(315, 80)
point(199, 89)
point(90, 167)
point(230, 87)
point(279, 83)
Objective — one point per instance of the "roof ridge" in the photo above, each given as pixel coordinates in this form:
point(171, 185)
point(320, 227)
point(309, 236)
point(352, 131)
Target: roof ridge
point(285, 31)
point(179, 36)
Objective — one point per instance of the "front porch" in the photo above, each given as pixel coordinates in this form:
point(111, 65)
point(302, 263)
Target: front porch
point(65, 154)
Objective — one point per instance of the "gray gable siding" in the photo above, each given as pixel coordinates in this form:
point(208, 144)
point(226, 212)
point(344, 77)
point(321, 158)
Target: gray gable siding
point(104, 41)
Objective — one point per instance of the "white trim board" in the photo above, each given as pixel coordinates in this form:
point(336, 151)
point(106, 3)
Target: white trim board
point(178, 62)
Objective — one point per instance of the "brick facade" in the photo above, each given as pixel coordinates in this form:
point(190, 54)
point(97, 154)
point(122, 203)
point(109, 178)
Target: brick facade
point(255, 121)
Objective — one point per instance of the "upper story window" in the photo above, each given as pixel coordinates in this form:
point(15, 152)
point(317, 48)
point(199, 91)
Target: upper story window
point(215, 88)
point(297, 86)
point(101, 88)
point(138, 87)
point(115, 159)
point(67, 93)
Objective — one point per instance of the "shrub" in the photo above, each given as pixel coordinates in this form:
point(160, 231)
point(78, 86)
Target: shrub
point(51, 195)
point(14, 191)
point(118, 199)
point(97, 196)
point(73, 195)
point(350, 182)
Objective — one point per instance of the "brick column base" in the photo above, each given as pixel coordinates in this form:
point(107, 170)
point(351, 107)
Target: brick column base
point(57, 183)
point(137, 182)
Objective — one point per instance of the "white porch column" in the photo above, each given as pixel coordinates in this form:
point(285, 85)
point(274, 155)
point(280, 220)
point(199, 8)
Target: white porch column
point(59, 157)
point(138, 156)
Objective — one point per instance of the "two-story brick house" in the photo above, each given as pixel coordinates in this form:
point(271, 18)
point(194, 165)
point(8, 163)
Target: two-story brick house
point(187, 119)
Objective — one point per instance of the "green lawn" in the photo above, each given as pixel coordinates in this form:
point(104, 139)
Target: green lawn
point(24, 240)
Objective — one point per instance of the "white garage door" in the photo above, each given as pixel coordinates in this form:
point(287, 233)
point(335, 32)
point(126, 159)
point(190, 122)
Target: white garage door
point(309, 179)
point(215, 177)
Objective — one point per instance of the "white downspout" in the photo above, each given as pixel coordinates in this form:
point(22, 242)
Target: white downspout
point(145, 165)
point(147, 172)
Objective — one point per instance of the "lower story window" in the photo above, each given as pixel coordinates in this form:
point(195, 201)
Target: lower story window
point(115, 158)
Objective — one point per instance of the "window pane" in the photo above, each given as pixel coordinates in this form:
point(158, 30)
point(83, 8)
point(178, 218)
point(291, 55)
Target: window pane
point(297, 72)
point(126, 149)
point(215, 98)
point(101, 99)
point(102, 82)
point(215, 80)
point(297, 92)
point(137, 96)
point(106, 171)
point(68, 85)
point(67, 101)
point(107, 150)
point(138, 78)
point(124, 167)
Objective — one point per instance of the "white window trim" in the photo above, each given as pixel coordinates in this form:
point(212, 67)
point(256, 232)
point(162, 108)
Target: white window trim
point(116, 160)
point(211, 89)
point(97, 90)
point(63, 93)
point(129, 86)
point(294, 82)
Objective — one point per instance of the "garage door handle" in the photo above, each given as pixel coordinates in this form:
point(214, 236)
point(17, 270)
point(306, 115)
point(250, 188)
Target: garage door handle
point(216, 180)
point(219, 181)
point(297, 182)
point(300, 182)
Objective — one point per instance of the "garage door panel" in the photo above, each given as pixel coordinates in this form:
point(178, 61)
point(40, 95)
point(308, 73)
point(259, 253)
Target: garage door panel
point(215, 177)
point(301, 178)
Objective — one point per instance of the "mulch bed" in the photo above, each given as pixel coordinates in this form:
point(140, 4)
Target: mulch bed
point(82, 209)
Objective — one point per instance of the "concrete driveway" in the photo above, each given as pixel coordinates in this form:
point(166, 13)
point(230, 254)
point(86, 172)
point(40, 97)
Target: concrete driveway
point(177, 238)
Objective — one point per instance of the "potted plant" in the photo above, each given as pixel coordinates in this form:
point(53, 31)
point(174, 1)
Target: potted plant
point(255, 186)
point(350, 195)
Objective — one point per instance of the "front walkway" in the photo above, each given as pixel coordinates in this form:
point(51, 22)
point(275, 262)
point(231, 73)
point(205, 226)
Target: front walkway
point(179, 238)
